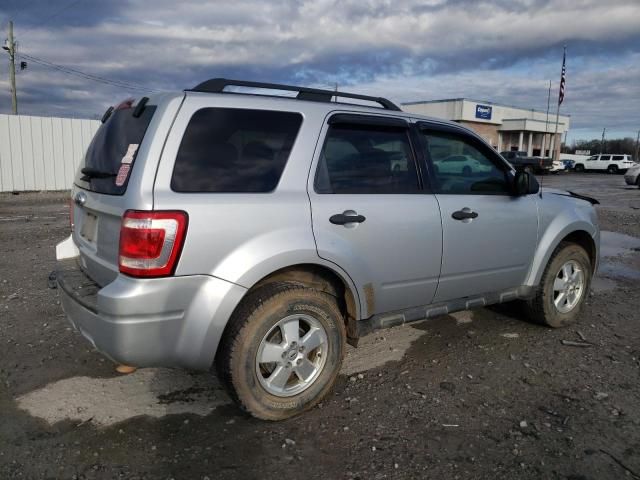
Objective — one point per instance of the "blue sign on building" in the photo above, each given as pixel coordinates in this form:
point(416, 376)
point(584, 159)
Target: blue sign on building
point(483, 112)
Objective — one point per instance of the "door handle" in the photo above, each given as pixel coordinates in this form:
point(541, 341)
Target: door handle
point(464, 214)
point(342, 219)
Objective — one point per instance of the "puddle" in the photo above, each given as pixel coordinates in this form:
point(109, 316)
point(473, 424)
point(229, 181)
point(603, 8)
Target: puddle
point(618, 270)
point(157, 392)
point(380, 347)
point(600, 285)
point(614, 247)
point(613, 244)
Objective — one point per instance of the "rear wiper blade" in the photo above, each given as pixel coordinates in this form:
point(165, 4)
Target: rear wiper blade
point(95, 173)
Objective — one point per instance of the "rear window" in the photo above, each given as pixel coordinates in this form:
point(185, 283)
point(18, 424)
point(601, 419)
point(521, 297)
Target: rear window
point(113, 150)
point(228, 150)
point(618, 157)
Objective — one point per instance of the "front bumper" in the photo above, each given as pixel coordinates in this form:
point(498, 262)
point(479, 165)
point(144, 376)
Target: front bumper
point(172, 322)
point(631, 179)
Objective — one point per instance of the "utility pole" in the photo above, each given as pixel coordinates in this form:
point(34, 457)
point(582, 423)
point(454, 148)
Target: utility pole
point(10, 47)
point(602, 141)
point(638, 147)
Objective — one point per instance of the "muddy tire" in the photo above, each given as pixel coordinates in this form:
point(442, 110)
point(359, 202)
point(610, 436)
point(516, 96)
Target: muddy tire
point(282, 350)
point(563, 289)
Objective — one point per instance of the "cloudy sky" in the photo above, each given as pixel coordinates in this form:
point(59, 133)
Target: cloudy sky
point(499, 50)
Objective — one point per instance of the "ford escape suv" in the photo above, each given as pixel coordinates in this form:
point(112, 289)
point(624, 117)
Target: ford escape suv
point(258, 234)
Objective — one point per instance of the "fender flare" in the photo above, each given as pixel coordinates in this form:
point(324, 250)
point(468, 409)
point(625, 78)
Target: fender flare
point(550, 240)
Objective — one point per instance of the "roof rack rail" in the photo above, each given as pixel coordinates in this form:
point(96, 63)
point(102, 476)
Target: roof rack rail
point(217, 85)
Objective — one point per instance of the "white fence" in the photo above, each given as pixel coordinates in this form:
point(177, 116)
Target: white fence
point(41, 153)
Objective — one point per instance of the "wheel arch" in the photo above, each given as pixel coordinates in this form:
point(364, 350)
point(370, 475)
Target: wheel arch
point(581, 233)
point(320, 277)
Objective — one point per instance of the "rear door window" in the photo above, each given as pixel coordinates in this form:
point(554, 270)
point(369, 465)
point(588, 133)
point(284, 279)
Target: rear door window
point(366, 159)
point(618, 157)
point(113, 151)
point(605, 158)
point(228, 150)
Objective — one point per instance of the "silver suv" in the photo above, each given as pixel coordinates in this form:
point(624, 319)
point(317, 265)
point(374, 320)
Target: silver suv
point(260, 233)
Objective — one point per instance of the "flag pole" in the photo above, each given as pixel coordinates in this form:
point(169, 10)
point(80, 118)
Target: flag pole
point(560, 99)
point(546, 123)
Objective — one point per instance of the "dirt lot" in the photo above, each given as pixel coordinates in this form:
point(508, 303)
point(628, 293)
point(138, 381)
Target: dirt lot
point(478, 394)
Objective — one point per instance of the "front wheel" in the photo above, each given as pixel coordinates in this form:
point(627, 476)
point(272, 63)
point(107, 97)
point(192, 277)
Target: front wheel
point(564, 287)
point(579, 168)
point(612, 169)
point(282, 350)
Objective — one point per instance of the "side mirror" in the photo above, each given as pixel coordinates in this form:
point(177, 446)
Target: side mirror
point(524, 183)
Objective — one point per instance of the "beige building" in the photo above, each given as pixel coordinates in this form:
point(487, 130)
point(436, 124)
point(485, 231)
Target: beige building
point(503, 126)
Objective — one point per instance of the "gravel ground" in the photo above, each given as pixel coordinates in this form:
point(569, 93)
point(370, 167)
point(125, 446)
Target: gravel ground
point(477, 394)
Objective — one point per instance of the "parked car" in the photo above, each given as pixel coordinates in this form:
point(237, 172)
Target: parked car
point(608, 163)
point(461, 164)
point(521, 161)
point(557, 166)
point(258, 234)
point(632, 175)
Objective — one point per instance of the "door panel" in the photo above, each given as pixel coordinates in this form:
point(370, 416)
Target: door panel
point(489, 236)
point(491, 252)
point(393, 251)
point(393, 256)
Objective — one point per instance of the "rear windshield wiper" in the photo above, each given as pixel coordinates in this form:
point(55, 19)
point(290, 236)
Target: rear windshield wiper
point(90, 173)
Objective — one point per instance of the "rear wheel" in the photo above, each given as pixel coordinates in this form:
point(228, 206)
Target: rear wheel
point(638, 181)
point(282, 350)
point(612, 169)
point(579, 168)
point(564, 287)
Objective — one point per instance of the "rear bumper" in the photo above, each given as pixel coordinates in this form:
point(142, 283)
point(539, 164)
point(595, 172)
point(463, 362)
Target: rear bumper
point(173, 321)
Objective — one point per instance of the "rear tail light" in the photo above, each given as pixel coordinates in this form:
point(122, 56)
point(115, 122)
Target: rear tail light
point(151, 242)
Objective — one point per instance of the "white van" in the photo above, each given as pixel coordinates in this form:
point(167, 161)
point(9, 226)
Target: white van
point(610, 163)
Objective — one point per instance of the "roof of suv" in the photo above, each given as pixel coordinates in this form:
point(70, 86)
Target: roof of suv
point(305, 95)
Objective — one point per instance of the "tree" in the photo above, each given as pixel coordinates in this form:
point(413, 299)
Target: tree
point(615, 145)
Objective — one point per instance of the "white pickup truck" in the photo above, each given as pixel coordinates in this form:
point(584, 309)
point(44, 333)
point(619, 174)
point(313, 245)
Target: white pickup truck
point(609, 163)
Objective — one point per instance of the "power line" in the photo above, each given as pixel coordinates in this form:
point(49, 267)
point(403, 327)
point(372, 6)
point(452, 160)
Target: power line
point(87, 76)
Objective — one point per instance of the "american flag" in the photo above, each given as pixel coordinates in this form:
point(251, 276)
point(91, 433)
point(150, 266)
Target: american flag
point(562, 77)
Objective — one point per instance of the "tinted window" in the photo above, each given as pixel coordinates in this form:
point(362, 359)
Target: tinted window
point(234, 150)
point(618, 157)
point(366, 159)
point(462, 165)
point(605, 157)
point(590, 159)
point(115, 144)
